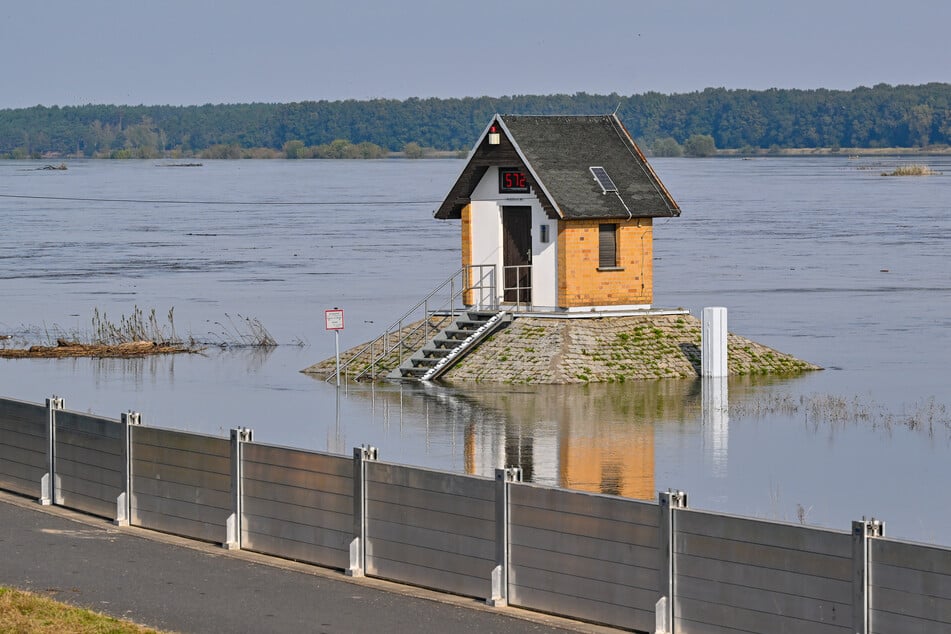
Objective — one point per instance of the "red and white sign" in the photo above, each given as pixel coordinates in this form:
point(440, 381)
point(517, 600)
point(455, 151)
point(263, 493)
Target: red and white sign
point(334, 319)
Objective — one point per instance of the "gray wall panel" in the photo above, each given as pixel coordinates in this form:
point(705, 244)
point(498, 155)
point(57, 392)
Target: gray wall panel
point(764, 532)
point(29, 415)
point(581, 608)
point(603, 590)
point(189, 491)
point(302, 479)
point(891, 623)
point(765, 578)
point(434, 481)
point(438, 539)
point(751, 575)
point(150, 487)
point(108, 457)
point(298, 459)
point(911, 587)
point(23, 447)
point(923, 557)
point(257, 491)
point(90, 462)
point(297, 504)
point(169, 457)
point(302, 533)
point(334, 557)
point(185, 441)
point(585, 504)
point(193, 477)
point(752, 598)
point(605, 528)
point(738, 620)
point(422, 523)
point(460, 525)
point(438, 578)
point(584, 555)
point(738, 551)
point(555, 541)
point(87, 424)
point(162, 521)
point(95, 504)
point(635, 576)
point(269, 510)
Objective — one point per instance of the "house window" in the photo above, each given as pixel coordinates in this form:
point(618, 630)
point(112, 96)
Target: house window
point(607, 246)
point(543, 234)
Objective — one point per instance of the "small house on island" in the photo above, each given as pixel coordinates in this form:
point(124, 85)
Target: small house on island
point(557, 276)
point(563, 208)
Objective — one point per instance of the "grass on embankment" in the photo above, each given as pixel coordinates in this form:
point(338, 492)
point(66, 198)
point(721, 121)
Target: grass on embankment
point(24, 612)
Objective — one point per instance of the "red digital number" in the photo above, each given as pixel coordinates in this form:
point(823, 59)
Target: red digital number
point(513, 181)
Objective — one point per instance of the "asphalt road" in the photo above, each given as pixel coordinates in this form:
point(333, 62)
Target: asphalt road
point(185, 586)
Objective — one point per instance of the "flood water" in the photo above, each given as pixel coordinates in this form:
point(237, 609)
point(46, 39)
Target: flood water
point(822, 258)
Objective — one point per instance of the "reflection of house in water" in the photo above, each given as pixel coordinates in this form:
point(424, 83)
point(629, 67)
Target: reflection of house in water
point(598, 437)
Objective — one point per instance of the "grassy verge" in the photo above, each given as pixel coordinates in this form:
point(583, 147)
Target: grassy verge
point(30, 613)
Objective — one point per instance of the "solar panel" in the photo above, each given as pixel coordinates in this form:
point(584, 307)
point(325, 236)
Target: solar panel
point(601, 175)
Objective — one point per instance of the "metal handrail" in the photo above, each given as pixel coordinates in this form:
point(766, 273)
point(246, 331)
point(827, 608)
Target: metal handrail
point(518, 288)
point(479, 285)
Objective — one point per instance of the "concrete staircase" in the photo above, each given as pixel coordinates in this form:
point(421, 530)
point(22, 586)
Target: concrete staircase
point(452, 343)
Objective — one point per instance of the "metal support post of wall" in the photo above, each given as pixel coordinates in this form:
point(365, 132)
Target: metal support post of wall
point(48, 482)
point(124, 501)
point(239, 436)
point(500, 574)
point(713, 342)
point(358, 553)
point(862, 532)
point(664, 610)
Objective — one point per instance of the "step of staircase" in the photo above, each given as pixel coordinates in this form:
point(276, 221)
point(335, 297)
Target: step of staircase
point(448, 346)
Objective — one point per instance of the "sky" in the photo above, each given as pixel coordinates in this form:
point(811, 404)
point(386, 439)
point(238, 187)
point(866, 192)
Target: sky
point(181, 52)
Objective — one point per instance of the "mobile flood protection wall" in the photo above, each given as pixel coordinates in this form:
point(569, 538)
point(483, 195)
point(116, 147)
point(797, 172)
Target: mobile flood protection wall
point(643, 566)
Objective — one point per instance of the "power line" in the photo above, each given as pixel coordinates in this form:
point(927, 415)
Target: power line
point(224, 202)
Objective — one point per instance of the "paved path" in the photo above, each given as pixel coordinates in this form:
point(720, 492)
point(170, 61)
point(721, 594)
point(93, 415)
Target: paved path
point(186, 586)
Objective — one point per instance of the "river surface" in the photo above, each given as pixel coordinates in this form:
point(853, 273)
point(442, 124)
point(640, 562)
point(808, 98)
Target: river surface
point(822, 258)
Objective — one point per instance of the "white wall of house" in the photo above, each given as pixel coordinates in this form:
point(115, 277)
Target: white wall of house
point(486, 209)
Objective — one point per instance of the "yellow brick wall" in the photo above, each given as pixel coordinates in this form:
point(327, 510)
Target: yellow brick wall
point(580, 283)
point(467, 296)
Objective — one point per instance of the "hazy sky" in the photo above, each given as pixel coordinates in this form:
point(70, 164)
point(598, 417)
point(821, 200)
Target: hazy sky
point(69, 52)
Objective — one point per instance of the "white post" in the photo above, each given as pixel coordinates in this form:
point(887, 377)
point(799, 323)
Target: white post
point(337, 348)
point(124, 501)
point(48, 482)
point(713, 355)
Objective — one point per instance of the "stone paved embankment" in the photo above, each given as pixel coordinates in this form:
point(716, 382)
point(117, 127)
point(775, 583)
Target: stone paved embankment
point(607, 349)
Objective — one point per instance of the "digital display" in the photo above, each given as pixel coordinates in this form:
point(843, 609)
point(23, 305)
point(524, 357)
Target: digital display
point(512, 181)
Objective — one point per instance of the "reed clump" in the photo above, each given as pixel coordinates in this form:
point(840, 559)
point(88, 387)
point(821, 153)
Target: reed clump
point(241, 332)
point(914, 169)
point(134, 335)
point(136, 327)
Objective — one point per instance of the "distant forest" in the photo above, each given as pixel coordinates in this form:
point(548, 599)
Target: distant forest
point(746, 120)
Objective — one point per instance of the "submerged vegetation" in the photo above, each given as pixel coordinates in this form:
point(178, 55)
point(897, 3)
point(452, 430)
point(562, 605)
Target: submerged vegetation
point(137, 334)
point(911, 170)
point(828, 411)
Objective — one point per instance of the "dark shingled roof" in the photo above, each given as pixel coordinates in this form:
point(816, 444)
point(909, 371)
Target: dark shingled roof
point(557, 153)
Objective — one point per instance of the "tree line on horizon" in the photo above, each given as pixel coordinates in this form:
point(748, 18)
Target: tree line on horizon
point(694, 123)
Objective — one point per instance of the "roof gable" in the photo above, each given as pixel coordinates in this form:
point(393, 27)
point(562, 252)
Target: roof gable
point(557, 153)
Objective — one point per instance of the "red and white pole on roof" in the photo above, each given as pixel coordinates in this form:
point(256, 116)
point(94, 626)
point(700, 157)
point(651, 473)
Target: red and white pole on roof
point(494, 136)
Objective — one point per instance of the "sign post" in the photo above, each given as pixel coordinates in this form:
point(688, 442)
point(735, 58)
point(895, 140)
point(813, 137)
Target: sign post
point(333, 320)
